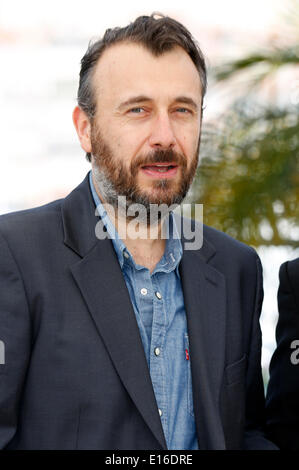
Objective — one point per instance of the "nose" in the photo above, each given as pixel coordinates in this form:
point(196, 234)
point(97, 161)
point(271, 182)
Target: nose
point(162, 134)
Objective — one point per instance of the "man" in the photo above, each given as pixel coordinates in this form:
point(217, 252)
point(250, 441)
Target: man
point(283, 388)
point(123, 342)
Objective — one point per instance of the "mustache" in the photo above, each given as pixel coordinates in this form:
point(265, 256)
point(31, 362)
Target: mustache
point(158, 156)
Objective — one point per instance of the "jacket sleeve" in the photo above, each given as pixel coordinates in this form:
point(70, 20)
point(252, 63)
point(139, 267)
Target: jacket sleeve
point(282, 394)
point(255, 438)
point(15, 342)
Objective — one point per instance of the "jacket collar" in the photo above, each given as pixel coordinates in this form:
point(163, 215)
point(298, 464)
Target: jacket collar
point(79, 219)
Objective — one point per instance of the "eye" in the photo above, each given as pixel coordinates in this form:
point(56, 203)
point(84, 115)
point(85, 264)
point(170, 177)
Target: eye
point(136, 110)
point(184, 110)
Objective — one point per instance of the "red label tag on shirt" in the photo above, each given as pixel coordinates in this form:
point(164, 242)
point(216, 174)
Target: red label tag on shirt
point(187, 354)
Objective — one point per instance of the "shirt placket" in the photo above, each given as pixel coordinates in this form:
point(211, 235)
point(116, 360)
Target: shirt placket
point(142, 288)
point(157, 354)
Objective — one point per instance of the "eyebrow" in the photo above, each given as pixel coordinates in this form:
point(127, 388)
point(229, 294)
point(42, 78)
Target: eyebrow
point(134, 100)
point(186, 100)
point(142, 98)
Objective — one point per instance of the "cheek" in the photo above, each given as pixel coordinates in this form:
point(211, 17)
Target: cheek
point(189, 143)
point(124, 140)
point(195, 139)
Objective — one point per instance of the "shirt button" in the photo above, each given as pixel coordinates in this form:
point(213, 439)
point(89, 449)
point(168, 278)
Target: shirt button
point(160, 412)
point(143, 291)
point(158, 295)
point(126, 255)
point(157, 351)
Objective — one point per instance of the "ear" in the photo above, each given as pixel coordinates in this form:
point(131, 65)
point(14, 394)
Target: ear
point(82, 124)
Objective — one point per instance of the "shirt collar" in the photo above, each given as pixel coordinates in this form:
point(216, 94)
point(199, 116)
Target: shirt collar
point(173, 249)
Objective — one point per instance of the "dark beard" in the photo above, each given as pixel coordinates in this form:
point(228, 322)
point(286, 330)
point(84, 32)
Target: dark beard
point(113, 179)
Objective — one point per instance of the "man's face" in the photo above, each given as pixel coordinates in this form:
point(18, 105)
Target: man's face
point(146, 131)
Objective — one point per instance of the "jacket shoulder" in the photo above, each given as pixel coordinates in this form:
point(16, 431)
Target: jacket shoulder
point(289, 279)
point(291, 269)
point(226, 244)
point(26, 221)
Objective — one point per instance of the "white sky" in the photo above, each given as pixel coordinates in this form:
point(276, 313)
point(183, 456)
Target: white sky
point(92, 15)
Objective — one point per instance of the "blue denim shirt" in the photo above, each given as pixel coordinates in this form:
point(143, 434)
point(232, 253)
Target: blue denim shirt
point(158, 304)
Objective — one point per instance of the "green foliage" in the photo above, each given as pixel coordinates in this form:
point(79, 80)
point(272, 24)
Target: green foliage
point(272, 59)
point(248, 178)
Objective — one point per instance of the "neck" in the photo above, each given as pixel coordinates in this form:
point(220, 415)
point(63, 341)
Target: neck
point(144, 240)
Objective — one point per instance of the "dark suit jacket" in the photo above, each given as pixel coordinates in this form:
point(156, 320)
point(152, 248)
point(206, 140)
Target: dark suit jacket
point(283, 388)
point(75, 374)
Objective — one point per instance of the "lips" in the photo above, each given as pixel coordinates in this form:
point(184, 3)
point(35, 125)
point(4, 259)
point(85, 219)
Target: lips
point(161, 170)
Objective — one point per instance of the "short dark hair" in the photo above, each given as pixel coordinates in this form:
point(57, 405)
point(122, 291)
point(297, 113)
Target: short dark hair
point(157, 33)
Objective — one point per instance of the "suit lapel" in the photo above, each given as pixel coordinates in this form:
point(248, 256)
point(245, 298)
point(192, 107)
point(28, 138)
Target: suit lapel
point(103, 287)
point(205, 303)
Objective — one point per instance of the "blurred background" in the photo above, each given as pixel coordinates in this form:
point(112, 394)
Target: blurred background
point(248, 179)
